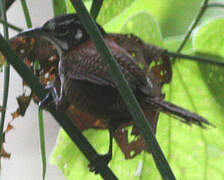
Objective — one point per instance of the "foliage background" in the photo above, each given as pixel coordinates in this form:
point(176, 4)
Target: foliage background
point(193, 153)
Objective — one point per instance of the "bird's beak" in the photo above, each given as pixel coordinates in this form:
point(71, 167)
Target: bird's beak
point(32, 32)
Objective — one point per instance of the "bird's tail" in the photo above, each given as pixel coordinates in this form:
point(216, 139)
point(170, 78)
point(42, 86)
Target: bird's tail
point(182, 114)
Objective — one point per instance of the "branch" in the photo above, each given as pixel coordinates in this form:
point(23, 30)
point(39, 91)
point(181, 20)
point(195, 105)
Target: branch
point(60, 117)
point(8, 4)
point(6, 76)
point(95, 9)
point(195, 58)
point(215, 5)
point(26, 14)
point(11, 26)
point(194, 24)
point(126, 93)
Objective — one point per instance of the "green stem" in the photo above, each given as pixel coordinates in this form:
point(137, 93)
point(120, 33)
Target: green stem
point(194, 24)
point(95, 9)
point(26, 14)
point(41, 128)
point(195, 58)
point(6, 76)
point(42, 143)
point(8, 3)
point(126, 93)
point(60, 117)
point(11, 26)
point(40, 114)
point(215, 5)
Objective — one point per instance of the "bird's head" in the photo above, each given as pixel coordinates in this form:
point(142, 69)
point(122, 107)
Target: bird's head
point(63, 31)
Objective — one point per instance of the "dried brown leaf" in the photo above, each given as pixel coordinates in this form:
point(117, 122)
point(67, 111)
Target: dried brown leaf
point(5, 154)
point(9, 128)
point(15, 115)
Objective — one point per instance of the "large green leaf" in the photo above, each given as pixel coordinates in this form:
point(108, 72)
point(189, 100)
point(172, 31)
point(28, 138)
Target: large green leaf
point(174, 16)
point(193, 153)
point(209, 41)
point(59, 7)
point(111, 8)
point(148, 29)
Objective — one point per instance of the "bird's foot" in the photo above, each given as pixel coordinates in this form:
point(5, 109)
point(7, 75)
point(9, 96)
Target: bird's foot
point(50, 97)
point(99, 159)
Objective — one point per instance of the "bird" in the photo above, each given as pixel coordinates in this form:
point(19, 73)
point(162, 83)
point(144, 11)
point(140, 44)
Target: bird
point(85, 80)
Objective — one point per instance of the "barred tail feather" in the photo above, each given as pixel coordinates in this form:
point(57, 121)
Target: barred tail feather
point(171, 109)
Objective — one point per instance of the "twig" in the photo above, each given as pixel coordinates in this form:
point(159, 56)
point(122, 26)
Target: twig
point(42, 143)
point(215, 5)
point(194, 24)
point(126, 93)
point(11, 26)
point(95, 9)
point(6, 76)
point(26, 14)
point(195, 58)
point(8, 3)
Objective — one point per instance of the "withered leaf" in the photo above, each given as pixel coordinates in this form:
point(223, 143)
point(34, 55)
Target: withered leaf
point(23, 102)
point(5, 154)
point(15, 114)
point(9, 128)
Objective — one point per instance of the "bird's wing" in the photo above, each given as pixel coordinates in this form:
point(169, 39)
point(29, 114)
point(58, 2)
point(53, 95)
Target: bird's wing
point(85, 63)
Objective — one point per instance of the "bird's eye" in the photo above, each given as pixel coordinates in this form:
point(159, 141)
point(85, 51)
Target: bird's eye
point(61, 30)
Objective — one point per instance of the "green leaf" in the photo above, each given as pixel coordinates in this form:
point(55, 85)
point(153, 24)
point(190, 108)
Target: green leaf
point(70, 8)
point(69, 159)
point(208, 40)
point(148, 29)
point(191, 150)
point(111, 8)
point(173, 16)
point(59, 7)
point(195, 153)
point(172, 43)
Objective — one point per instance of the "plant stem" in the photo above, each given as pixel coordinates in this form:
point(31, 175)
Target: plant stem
point(41, 128)
point(40, 114)
point(195, 58)
point(60, 117)
point(95, 9)
point(42, 143)
point(26, 14)
point(6, 77)
point(8, 3)
point(202, 9)
point(215, 5)
point(126, 93)
point(11, 26)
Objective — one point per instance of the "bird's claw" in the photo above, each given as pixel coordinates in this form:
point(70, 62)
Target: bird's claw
point(50, 97)
point(99, 159)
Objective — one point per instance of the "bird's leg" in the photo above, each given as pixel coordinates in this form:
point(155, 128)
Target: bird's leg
point(50, 97)
point(105, 157)
point(60, 101)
